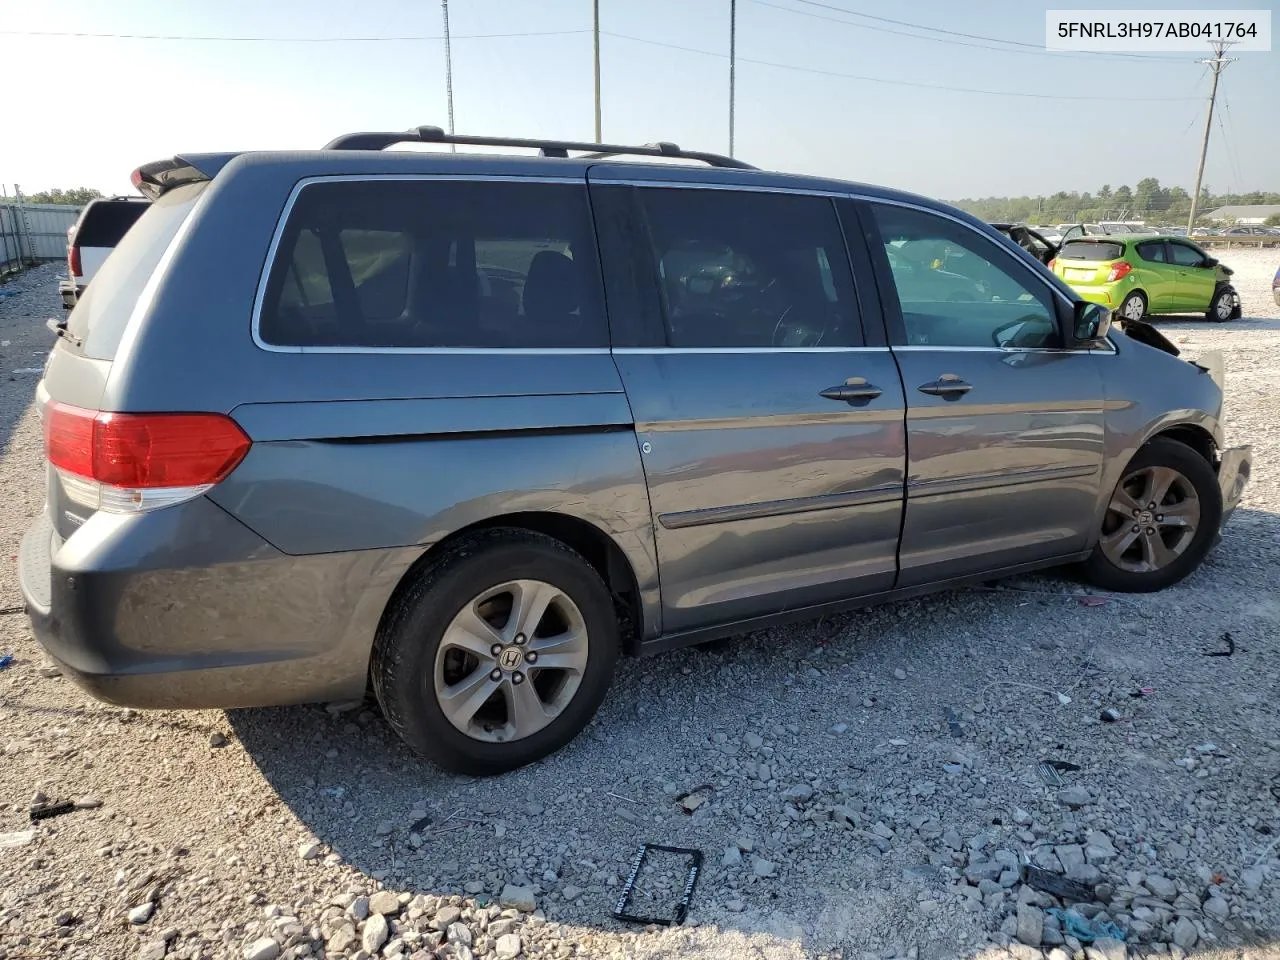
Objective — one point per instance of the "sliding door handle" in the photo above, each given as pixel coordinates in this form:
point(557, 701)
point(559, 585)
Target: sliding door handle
point(853, 390)
point(948, 386)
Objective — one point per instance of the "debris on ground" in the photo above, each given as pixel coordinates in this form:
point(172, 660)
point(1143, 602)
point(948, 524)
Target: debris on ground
point(1056, 885)
point(1086, 929)
point(1230, 642)
point(44, 811)
point(5, 660)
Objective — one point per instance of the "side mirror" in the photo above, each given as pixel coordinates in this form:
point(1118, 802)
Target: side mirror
point(1091, 323)
point(1209, 262)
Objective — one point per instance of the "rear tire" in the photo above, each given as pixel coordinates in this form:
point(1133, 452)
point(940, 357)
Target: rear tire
point(475, 619)
point(1221, 307)
point(1144, 548)
point(1133, 306)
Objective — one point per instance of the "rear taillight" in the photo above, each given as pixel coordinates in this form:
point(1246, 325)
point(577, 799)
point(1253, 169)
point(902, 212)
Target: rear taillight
point(1119, 271)
point(1053, 263)
point(141, 461)
point(73, 261)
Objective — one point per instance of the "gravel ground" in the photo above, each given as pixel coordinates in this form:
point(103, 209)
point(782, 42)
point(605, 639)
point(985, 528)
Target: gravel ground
point(861, 786)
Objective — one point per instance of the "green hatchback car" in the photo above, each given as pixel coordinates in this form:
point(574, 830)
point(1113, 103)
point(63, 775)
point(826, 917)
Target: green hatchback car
point(1137, 276)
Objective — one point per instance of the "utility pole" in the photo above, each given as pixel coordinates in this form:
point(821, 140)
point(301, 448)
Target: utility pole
point(448, 71)
point(595, 22)
point(1219, 63)
point(733, 59)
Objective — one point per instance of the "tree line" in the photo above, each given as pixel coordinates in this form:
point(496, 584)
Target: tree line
point(1147, 201)
point(76, 196)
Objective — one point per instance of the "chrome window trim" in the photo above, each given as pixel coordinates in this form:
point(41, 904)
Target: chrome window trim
point(641, 351)
point(273, 249)
point(922, 347)
point(586, 182)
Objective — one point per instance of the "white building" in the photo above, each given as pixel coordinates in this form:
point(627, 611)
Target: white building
point(1250, 213)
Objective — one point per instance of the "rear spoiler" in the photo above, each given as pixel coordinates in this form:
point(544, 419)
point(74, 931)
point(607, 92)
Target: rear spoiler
point(155, 179)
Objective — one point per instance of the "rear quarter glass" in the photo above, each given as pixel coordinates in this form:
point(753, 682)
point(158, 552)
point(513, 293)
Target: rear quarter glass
point(105, 223)
point(102, 312)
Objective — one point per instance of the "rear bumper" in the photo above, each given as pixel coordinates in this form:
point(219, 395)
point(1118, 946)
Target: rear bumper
point(1234, 470)
point(186, 608)
point(1105, 296)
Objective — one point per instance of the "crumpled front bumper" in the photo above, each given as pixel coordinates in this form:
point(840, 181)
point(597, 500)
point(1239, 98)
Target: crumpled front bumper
point(1234, 469)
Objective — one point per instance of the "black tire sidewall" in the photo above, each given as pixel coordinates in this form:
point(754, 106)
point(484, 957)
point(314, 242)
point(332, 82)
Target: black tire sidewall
point(1212, 313)
point(1167, 453)
point(404, 659)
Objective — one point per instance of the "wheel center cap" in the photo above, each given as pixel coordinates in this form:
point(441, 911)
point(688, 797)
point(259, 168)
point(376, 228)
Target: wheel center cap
point(510, 658)
point(1145, 517)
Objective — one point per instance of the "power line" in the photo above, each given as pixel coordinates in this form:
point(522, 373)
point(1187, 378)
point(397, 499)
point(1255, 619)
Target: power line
point(1017, 45)
point(224, 39)
point(900, 83)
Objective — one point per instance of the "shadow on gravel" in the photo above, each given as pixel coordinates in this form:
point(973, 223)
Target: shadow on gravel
point(823, 698)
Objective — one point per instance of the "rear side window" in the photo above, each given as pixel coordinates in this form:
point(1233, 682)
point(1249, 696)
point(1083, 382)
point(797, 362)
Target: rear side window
point(433, 263)
point(104, 224)
point(750, 269)
point(1091, 250)
point(102, 312)
point(1152, 252)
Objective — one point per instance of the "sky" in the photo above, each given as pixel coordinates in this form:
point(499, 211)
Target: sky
point(94, 108)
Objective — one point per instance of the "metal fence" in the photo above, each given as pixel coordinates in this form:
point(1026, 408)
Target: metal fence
point(33, 232)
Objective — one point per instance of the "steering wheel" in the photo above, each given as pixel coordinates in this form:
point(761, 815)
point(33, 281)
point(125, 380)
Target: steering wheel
point(789, 334)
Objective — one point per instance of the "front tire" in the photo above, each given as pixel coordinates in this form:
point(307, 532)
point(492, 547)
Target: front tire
point(1222, 306)
point(498, 654)
point(1133, 307)
point(1161, 521)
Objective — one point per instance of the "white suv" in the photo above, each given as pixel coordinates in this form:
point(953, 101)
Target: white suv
point(101, 226)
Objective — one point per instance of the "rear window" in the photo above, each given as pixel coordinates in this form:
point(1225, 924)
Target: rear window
point(1091, 250)
point(105, 223)
point(103, 310)
point(413, 264)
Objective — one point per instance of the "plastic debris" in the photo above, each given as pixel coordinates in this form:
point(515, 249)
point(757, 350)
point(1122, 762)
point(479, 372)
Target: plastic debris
point(5, 660)
point(1142, 692)
point(1084, 929)
point(1062, 698)
point(1111, 715)
point(43, 811)
point(1093, 601)
point(1056, 884)
point(1230, 641)
point(691, 800)
point(1051, 771)
point(621, 910)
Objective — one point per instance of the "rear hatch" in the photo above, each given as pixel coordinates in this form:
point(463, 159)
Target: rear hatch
point(113, 460)
point(1089, 262)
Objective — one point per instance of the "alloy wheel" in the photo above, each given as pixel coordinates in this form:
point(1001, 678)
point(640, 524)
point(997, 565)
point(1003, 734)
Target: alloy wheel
point(510, 661)
point(1151, 520)
point(1223, 306)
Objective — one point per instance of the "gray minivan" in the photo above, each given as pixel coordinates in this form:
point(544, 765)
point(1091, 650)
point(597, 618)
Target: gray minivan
point(466, 428)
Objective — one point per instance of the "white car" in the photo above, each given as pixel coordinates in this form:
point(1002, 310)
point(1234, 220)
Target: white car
point(101, 225)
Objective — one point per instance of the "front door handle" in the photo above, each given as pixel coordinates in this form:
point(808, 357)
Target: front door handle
point(948, 386)
point(852, 391)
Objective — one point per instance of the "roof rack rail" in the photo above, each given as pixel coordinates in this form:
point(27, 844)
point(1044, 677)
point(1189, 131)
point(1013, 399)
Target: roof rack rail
point(546, 148)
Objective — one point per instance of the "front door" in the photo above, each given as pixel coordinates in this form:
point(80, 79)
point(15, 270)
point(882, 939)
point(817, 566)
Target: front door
point(1196, 280)
point(770, 429)
point(1004, 426)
